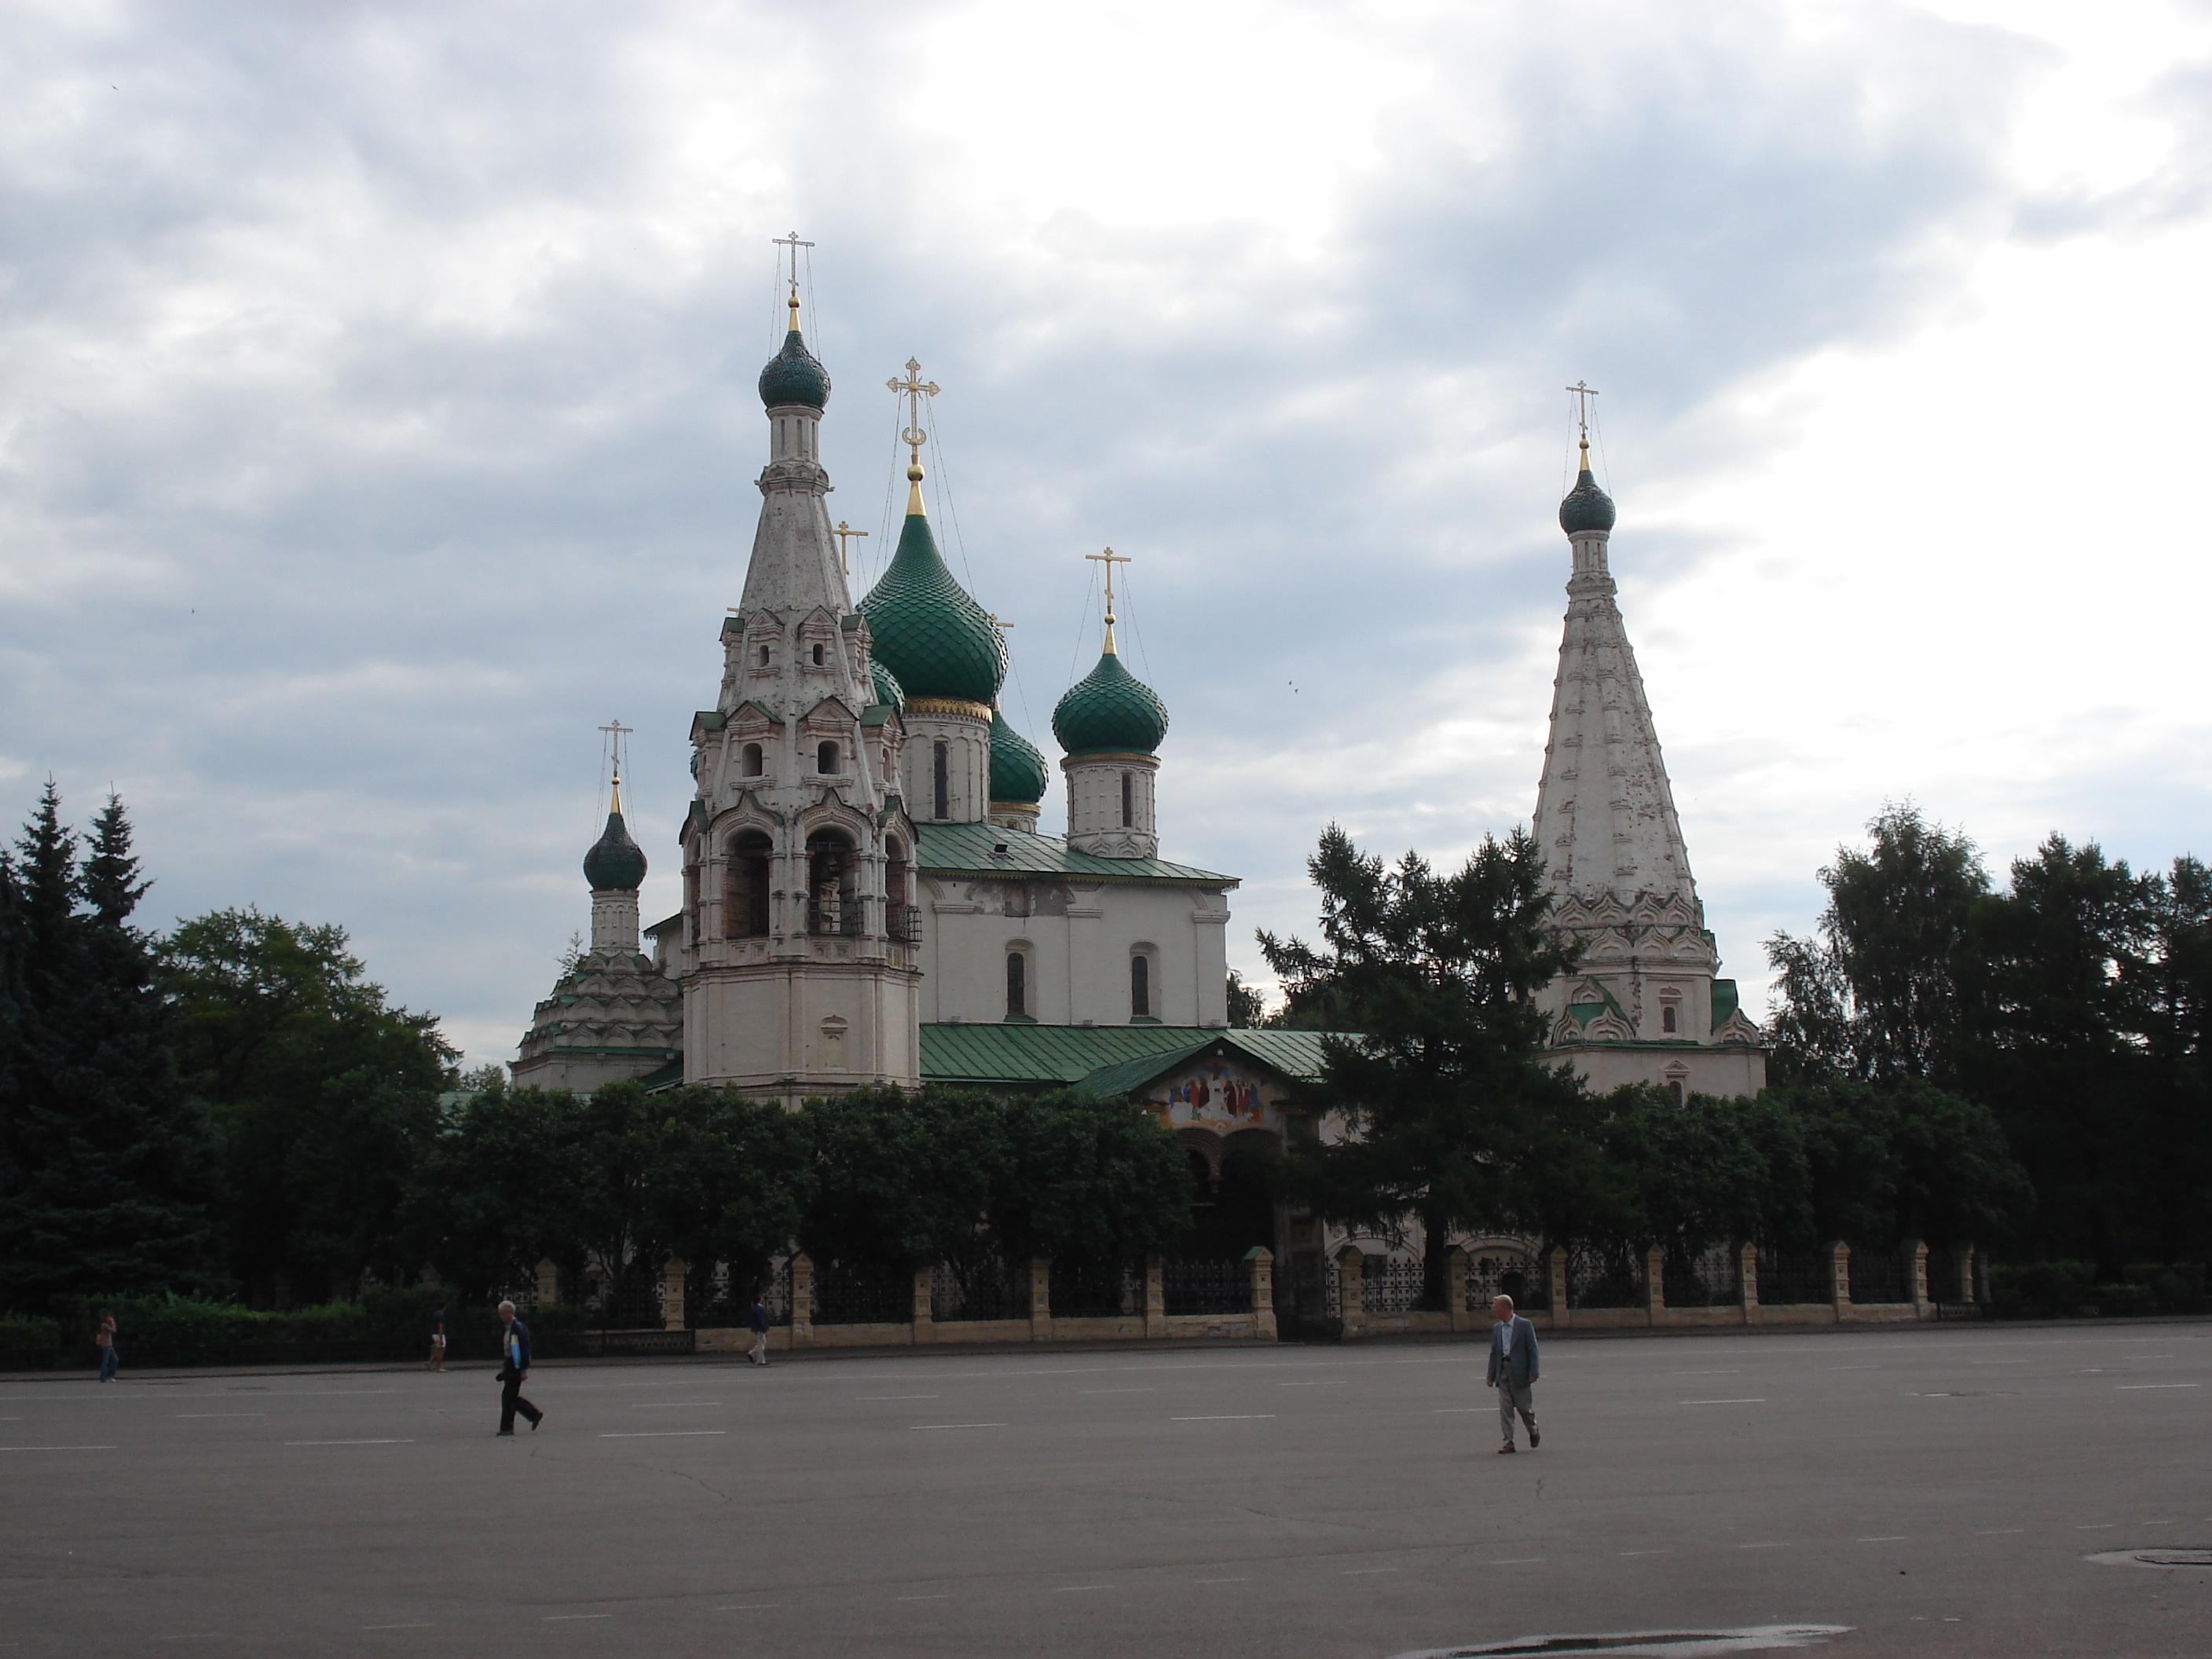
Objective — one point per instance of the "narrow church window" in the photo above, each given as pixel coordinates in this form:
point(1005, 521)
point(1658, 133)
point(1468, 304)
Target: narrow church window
point(902, 920)
point(825, 759)
point(1667, 1017)
point(749, 762)
point(1128, 802)
point(763, 657)
point(1017, 999)
point(1140, 987)
point(940, 781)
point(833, 899)
point(748, 907)
point(1675, 1089)
point(1670, 1004)
point(818, 656)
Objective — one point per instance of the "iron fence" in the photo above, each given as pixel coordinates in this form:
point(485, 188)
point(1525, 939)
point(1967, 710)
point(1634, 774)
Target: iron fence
point(1784, 1279)
point(1492, 1274)
point(1608, 1275)
point(1097, 1289)
point(904, 922)
point(723, 1300)
point(1879, 1276)
point(1206, 1285)
point(632, 1301)
point(1392, 1284)
point(848, 916)
point(863, 1293)
point(1712, 1278)
point(1309, 1297)
point(978, 1290)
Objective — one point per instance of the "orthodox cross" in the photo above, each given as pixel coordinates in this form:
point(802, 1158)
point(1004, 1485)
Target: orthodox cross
point(841, 533)
point(617, 731)
point(792, 242)
point(1109, 558)
point(914, 389)
point(1582, 392)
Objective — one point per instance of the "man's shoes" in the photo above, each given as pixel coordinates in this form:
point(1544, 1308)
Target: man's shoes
point(540, 1418)
point(502, 1434)
point(1535, 1439)
point(1507, 1451)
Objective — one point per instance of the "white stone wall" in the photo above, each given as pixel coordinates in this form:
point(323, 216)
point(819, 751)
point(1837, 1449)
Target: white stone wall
point(966, 736)
point(614, 920)
point(1094, 805)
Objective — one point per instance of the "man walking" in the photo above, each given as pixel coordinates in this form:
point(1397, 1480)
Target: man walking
point(1513, 1371)
point(758, 1320)
point(515, 1366)
point(436, 1362)
point(104, 1341)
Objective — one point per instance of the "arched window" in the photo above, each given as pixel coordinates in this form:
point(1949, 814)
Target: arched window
point(832, 897)
point(1128, 801)
point(1670, 1012)
point(746, 913)
point(763, 656)
point(1140, 987)
point(825, 760)
point(1675, 1089)
point(818, 656)
point(1017, 985)
point(749, 760)
point(940, 782)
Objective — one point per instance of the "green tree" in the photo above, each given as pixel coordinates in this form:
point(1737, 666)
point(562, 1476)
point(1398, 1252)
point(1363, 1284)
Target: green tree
point(730, 1181)
point(323, 1097)
point(500, 1188)
point(1874, 994)
point(900, 1180)
point(1909, 1161)
point(104, 1176)
point(1247, 1006)
point(1449, 1109)
point(1087, 1180)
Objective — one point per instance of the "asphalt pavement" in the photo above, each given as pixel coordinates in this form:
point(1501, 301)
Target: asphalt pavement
point(1934, 1492)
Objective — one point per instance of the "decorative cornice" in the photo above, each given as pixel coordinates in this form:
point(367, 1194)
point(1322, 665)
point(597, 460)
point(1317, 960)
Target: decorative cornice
point(1108, 757)
point(951, 708)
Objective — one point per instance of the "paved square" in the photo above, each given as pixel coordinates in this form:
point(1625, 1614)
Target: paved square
point(1939, 1492)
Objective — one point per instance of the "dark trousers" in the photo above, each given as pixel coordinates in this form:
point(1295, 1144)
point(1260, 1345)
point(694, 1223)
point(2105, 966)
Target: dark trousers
point(511, 1401)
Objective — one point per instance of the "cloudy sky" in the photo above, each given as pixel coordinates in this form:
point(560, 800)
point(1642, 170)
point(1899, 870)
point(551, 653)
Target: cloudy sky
point(376, 416)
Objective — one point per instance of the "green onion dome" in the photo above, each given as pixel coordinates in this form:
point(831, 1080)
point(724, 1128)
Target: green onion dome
point(1017, 770)
point(1110, 709)
point(1587, 507)
point(887, 689)
point(615, 859)
point(793, 375)
point(936, 641)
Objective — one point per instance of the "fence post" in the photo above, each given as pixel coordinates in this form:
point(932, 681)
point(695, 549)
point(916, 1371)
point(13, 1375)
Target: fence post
point(673, 1272)
point(1916, 1277)
point(1040, 1299)
point(1259, 1265)
point(1155, 1298)
point(925, 1315)
point(1350, 1269)
point(1747, 1273)
point(1654, 1285)
point(1969, 1287)
point(1558, 1285)
point(1839, 1279)
point(548, 1282)
point(802, 1300)
point(1456, 1288)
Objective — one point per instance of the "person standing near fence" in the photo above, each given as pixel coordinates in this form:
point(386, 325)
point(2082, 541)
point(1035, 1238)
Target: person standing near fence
point(436, 1362)
point(513, 1368)
point(104, 1339)
point(1513, 1372)
point(759, 1321)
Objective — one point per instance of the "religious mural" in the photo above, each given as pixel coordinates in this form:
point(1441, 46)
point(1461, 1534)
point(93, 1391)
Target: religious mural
point(1223, 1096)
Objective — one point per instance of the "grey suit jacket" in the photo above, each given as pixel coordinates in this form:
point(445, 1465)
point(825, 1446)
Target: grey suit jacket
point(1525, 1368)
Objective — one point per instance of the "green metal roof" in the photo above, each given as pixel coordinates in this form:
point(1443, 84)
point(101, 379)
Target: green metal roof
point(1017, 772)
point(793, 375)
point(927, 630)
point(1110, 711)
point(1291, 1054)
point(1045, 1053)
point(966, 849)
point(1725, 1001)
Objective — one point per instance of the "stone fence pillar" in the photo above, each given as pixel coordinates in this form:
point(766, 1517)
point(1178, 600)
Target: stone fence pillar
point(1156, 1298)
point(1654, 1285)
point(1746, 1271)
point(925, 1312)
point(1916, 1277)
point(1456, 1288)
point(1351, 1270)
point(1558, 1265)
point(802, 1300)
point(673, 1273)
point(1839, 1279)
point(549, 1283)
point(1040, 1299)
point(1260, 1263)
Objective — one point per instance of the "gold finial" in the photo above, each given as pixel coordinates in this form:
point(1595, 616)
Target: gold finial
point(1109, 558)
point(914, 389)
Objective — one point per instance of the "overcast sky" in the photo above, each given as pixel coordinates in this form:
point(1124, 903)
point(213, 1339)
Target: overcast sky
point(377, 416)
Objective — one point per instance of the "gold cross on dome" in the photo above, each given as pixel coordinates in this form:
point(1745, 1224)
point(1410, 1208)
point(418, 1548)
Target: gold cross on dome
point(1581, 391)
point(914, 389)
point(841, 533)
point(1109, 558)
point(792, 242)
point(617, 731)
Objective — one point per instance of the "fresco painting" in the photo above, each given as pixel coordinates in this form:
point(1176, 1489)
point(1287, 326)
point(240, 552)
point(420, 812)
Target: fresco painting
point(1217, 1095)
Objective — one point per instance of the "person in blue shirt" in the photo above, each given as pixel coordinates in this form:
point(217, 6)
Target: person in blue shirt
point(515, 1366)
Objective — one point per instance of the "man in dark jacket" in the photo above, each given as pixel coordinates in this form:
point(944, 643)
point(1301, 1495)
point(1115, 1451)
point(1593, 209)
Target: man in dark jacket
point(1513, 1371)
point(514, 1365)
point(758, 1320)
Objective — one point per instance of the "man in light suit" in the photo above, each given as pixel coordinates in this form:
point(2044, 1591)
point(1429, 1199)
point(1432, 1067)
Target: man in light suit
point(1513, 1371)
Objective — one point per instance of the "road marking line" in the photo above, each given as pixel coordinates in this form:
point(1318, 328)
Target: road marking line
point(749, 1607)
point(1221, 1581)
point(400, 1627)
point(1888, 1538)
point(898, 1397)
point(1755, 1400)
point(659, 1434)
point(955, 1425)
point(184, 1416)
point(9, 1448)
point(1360, 1572)
point(1062, 1590)
point(1997, 1362)
point(1763, 1546)
point(2097, 1526)
point(348, 1442)
point(2001, 1532)
point(1451, 1411)
point(1117, 1391)
point(1223, 1417)
point(557, 1618)
point(1517, 1561)
point(1628, 1552)
point(1733, 1371)
point(942, 1596)
point(1332, 1382)
point(668, 1405)
point(2124, 1386)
